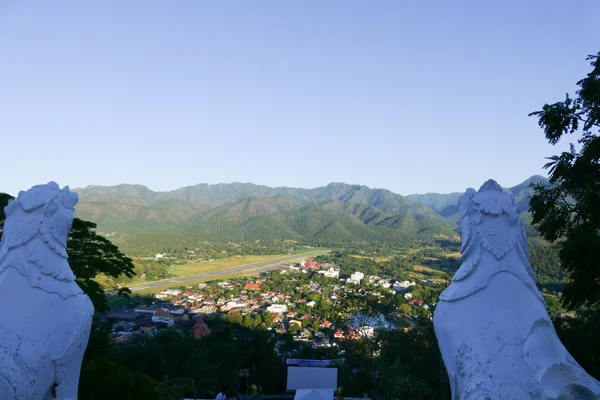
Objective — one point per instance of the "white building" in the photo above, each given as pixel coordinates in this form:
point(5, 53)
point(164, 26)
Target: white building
point(277, 308)
point(159, 256)
point(237, 303)
point(366, 331)
point(402, 286)
point(164, 317)
point(385, 283)
point(330, 273)
point(145, 310)
point(357, 275)
point(355, 278)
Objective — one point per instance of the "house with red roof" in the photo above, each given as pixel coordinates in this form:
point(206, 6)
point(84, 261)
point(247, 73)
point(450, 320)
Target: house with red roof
point(325, 324)
point(252, 286)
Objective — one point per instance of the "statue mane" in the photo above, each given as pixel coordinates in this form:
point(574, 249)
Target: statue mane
point(44, 212)
point(490, 222)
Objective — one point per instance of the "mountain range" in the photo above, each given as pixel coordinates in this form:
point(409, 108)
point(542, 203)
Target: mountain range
point(446, 205)
point(336, 213)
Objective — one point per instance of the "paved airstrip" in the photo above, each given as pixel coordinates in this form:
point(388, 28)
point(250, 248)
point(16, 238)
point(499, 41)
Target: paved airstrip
point(256, 267)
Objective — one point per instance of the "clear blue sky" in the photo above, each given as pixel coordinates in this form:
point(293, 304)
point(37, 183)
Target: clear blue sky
point(412, 96)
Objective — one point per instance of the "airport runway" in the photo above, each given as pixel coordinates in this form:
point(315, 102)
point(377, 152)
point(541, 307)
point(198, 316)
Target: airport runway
point(259, 267)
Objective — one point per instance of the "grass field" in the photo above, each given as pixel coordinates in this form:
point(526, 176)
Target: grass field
point(432, 271)
point(378, 259)
point(211, 266)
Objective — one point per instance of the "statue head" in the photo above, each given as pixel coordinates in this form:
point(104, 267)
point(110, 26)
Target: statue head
point(490, 200)
point(490, 222)
point(43, 210)
point(493, 215)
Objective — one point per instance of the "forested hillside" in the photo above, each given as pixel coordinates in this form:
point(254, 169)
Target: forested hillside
point(335, 214)
point(332, 215)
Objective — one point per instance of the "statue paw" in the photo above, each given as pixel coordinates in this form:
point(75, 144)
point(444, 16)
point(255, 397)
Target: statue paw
point(576, 391)
point(484, 387)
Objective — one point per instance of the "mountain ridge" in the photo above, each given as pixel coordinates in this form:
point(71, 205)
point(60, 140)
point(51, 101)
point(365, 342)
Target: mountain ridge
point(280, 189)
point(446, 203)
point(335, 213)
point(332, 213)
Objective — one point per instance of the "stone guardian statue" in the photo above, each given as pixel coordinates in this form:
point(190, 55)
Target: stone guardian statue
point(45, 318)
point(495, 335)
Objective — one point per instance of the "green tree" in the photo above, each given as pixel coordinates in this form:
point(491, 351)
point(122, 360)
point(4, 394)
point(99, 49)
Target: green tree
point(566, 211)
point(580, 336)
point(234, 318)
point(267, 318)
point(257, 321)
point(4, 198)
point(105, 379)
point(247, 321)
point(90, 255)
point(405, 309)
point(410, 363)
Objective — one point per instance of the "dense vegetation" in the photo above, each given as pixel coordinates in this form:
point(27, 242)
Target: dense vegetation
point(566, 211)
point(172, 364)
point(546, 263)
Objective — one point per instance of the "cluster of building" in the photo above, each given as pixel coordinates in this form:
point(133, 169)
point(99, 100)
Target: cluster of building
point(184, 307)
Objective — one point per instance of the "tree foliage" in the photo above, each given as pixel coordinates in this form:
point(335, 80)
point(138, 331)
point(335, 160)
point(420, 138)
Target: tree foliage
point(580, 336)
point(90, 255)
point(204, 364)
point(411, 364)
point(566, 211)
point(4, 198)
point(105, 379)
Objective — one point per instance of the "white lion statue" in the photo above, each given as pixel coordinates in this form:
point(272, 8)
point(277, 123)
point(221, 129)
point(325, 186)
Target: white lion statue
point(45, 318)
point(495, 335)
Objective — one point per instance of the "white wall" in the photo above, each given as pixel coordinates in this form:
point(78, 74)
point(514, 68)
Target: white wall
point(312, 378)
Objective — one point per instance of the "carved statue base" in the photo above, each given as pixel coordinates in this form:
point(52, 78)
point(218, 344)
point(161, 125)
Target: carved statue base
point(45, 318)
point(495, 335)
